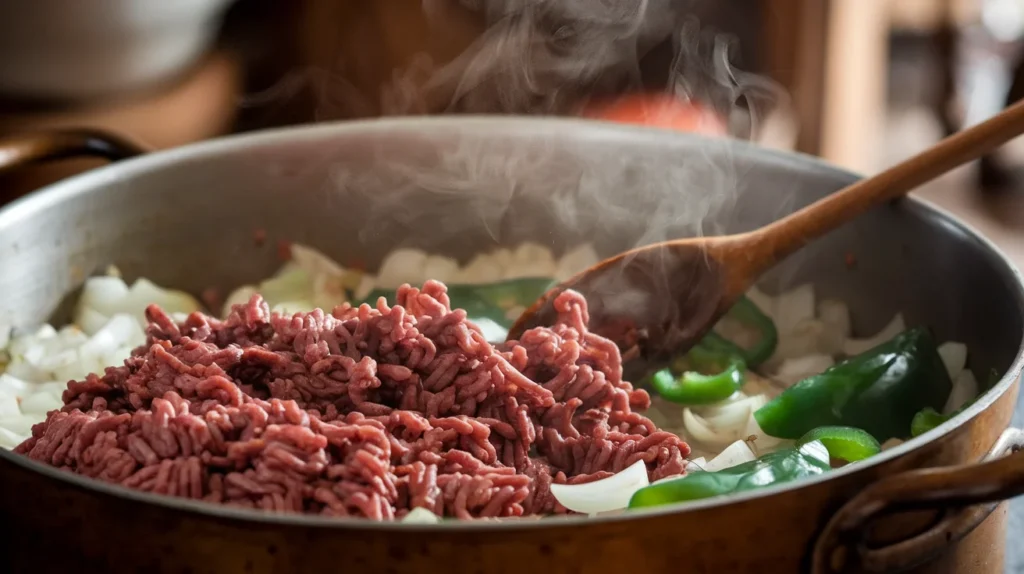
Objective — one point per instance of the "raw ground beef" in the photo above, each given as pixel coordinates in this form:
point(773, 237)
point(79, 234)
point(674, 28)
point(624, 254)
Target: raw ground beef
point(361, 412)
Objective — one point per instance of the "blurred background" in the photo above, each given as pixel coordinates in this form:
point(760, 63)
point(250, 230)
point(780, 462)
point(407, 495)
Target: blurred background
point(861, 83)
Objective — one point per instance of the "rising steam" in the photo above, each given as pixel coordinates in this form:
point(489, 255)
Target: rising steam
point(461, 188)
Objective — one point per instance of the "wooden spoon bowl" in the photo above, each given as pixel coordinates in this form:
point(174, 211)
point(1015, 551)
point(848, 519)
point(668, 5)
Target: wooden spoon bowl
point(660, 299)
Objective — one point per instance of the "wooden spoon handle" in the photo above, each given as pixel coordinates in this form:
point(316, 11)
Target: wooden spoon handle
point(781, 238)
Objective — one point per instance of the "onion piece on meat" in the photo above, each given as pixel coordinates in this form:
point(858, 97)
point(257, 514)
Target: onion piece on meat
point(691, 465)
point(611, 493)
point(857, 346)
point(420, 515)
point(954, 356)
point(736, 453)
point(965, 388)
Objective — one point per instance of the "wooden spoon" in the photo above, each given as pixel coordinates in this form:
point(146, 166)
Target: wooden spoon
point(663, 298)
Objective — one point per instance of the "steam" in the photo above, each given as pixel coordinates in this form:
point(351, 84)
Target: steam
point(543, 57)
point(463, 188)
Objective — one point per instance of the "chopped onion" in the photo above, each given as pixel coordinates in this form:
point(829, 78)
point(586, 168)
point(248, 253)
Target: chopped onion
point(699, 429)
point(402, 266)
point(9, 405)
point(481, 269)
point(732, 416)
point(691, 466)
point(792, 371)
point(492, 331)
point(239, 296)
point(954, 356)
point(531, 260)
point(611, 493)
point(804, 338)
point(891, 443)
point(12, 385)
point(19, 424)
point(965, 388)
point(575, 260)
point(40, 403)
point(759, 441)
point(439, 268)
point(734, 454)
point(314, 262)
point(858, 346)
point(420, 515)
point(836, 315)
point(9, 439)
point(789, 308)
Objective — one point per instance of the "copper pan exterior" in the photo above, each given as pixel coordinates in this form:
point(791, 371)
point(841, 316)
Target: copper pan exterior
point(190, 218)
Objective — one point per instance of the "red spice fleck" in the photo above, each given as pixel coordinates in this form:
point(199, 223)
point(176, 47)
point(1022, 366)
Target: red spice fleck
point(851, 260)
point(259, 237)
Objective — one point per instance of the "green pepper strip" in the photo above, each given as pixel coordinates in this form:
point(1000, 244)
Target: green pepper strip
point(773, 468)
point(694, 388)
point(928, 418)
point(844, 443)
point(746, 312)
point(879, 391)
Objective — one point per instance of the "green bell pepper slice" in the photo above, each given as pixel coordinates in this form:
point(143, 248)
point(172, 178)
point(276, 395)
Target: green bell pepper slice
point(878, 391)
point(745, 312)
point(719, 373)
point(928, 418)
point(777, 467)
point(844, 443)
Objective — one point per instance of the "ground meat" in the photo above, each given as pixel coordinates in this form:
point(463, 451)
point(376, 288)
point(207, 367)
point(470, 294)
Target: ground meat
point(363, 412)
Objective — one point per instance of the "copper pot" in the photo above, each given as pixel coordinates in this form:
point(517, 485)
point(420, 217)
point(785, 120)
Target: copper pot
point(188, 217)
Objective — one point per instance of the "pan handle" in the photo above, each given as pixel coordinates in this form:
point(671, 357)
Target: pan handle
point(967, 494)
point(24, 149)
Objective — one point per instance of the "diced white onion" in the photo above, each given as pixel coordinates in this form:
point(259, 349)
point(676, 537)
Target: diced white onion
point(965, 388)
point(858, 346)
point(701, 431)
point(19, 424)
point(759, 440)
point(891, 443)
point(734, 454)
point(792, 371)
point(40, 403)
point(789, 308)
point(420, 515)
point(610, 493)
point(575, 260)
point(835, 314)
point(10, 439)
point(481, 269)
point(531, 260)
point(493, 332)
point(9, 406)
point(954, 357)
point(402, 266)
point(692, 465)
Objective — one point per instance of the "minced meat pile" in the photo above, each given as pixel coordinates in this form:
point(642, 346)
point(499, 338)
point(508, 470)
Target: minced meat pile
point(366, 411)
